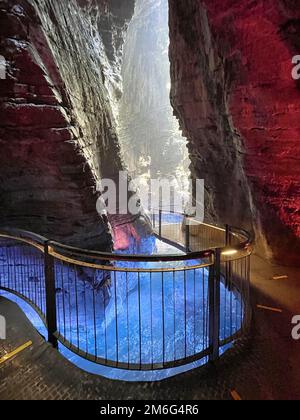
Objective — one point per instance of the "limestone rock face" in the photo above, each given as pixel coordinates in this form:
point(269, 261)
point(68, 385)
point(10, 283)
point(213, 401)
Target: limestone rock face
point(57, 125)
point(238, 104)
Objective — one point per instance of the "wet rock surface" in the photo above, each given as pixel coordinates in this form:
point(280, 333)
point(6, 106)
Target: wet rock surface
point(57, 127)
point(232, 90)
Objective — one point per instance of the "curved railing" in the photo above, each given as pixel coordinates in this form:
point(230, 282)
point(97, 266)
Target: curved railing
point(136, 312)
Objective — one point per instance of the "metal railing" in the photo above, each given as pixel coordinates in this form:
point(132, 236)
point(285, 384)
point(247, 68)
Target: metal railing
point(136, 312)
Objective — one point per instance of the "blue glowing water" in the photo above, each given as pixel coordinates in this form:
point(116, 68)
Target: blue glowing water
point(146, 319)
point(141, 318)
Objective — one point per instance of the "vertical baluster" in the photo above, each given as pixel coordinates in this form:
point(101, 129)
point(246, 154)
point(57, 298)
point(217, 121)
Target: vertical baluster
point(163, 315)
point(214, 306)
point(194, 326)
point(63, 297)
point(76, 306)
point(151, 311)
point(128, 319)
point(185, 315)
point(85, 318)
point(140, 318)
point(95, 321)
point(160, 223)
point(187, 235)
point(50, 297)
point(105, 320)
point(116, 316)
point(174, 309)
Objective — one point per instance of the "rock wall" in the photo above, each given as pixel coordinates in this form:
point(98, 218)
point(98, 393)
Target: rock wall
point(57, 125)
point(231, 64)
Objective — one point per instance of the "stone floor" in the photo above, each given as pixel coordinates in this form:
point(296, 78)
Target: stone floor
point(265, 366)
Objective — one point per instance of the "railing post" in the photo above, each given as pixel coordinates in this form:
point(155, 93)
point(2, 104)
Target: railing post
point(214, 307)
point(160, 222)
point(228, 234)
point(50, 297)
point(228, 264)
point(187, 235)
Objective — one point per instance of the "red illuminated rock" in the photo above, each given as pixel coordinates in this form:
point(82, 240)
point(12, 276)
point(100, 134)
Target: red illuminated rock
point(239, 106)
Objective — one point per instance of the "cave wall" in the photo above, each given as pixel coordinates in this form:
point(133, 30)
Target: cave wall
point(232, 90)
point(57, 125)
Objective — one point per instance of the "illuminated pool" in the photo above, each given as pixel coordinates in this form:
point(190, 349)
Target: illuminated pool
point(136, 318)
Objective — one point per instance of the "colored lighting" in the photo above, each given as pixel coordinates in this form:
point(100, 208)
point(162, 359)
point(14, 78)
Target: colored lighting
point(229, 252)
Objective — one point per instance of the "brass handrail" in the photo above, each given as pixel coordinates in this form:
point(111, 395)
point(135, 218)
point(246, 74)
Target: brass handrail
point(78, 255)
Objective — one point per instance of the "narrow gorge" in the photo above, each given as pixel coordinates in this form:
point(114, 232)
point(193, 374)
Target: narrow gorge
point(87, 95)
point(150, 201)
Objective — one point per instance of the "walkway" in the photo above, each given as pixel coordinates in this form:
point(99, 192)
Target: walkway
point(265, 367)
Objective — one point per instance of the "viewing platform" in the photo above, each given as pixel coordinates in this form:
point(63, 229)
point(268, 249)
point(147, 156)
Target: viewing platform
point(145, 317)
